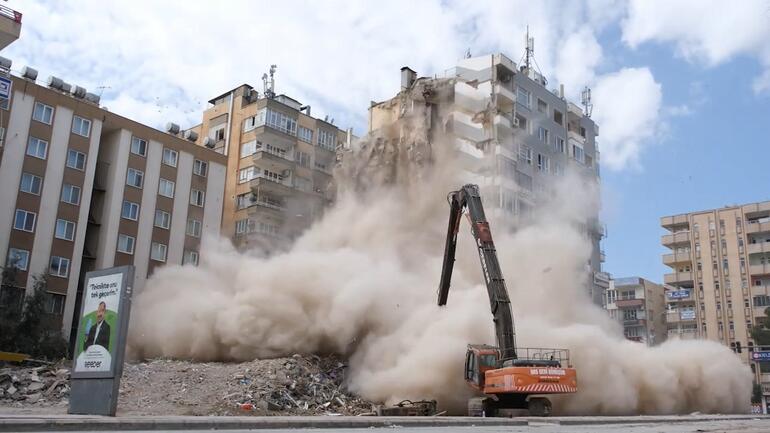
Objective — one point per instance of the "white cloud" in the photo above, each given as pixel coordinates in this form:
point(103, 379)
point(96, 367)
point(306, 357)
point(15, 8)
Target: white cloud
point(577, 60)
point(627, 107)
point(708, 31)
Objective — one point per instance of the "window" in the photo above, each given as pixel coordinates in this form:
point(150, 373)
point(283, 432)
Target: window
point(76, 160)
point(542, 106)
point(542, 134)
point(37, 148)
point(138, 146)
point(200, 168)
point(193, 228)
point(190, 258)
point(65, 230)
point(558, 117)
point(557, 169)
point(17, 258)
point(218, 133)
point(130, 210)
point(31, 183)
point(24, 220)
point(162, 219)
point(70, 194)
point(522, 96)
point(135, 178)
point(170, 157)
point(197, 197)
point(281, 122)
point(81, 126)
point(303, 159)
point(321, 166)
point(761, 301)
point(543, 163)
point(327, 140)
point(166, 188)
point(125, 244)
point(242, 201)
point(241, 226)
point(42, 113)
point(525, 154)
point(578, 154)
point(247, 174)
point(158, 252)
point(558, 145)
point(249, 148)
point(305, 134)
point(55, 304)
point(60, 267)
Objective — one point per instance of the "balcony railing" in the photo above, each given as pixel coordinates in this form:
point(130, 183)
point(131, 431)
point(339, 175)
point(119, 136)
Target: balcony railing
point(759, 247)
point(670, 221)
point(670, 259)
point(759, 269)
point(675, 238)
point(629, 303)
point(758, 226)
point(677, 277)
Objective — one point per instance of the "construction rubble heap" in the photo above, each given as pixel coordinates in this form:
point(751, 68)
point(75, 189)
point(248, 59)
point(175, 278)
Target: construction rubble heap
point(297, 385)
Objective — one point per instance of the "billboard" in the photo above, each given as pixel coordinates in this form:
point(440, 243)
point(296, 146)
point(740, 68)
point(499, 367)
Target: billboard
point(687, 314)
point(678, 294)
point(760, 356)
point(102, 323)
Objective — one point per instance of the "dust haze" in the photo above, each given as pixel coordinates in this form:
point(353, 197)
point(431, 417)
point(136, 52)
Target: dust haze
point(362, 282)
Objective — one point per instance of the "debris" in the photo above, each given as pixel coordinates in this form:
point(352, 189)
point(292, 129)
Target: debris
point(46, 384)
point(410, 408)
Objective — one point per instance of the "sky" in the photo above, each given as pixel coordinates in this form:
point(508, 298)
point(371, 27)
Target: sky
point(681, 88)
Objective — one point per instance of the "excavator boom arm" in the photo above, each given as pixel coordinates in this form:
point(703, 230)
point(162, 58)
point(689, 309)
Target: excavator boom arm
point(468, 197)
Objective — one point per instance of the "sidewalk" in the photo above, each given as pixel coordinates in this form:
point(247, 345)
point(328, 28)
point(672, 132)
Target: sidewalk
point(30, 423)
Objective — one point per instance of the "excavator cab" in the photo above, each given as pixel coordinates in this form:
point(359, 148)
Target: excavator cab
point(479, 359)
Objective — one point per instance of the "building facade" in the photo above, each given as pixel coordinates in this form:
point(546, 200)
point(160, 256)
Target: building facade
point(639, 305)
point(514, 136)
point(280, 161)
point(88, 189)
point(720, 279)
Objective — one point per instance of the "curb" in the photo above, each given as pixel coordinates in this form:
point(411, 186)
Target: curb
point(61, 423)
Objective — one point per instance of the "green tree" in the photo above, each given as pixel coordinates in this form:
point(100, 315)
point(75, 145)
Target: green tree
point(761, 332)
point(756, 393)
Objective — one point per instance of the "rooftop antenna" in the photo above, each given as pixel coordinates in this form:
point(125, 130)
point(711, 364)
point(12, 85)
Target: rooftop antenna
point(101, 89)
point(529, 57)
point(268, 83)
point(529, 53)
point(585, 99)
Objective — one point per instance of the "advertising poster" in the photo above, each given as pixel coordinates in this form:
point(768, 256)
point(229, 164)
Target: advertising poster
point(97, 335)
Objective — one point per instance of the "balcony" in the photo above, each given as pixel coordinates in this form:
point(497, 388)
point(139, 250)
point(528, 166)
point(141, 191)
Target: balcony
point(673, 221)
point(262, 184)
point(759, 269)
point(678, 277)
point(573, 135)
point(505, 96)
point(677, 316)
point(754, 209)
point(683, 334)
point(503, 125)
point(10, 26)
point(273, 160)
point(675, 239)
point(634, 322)
point(759, 247)
point(673, 259)
point(757, 227)
point(629, 303)
point(574, 109)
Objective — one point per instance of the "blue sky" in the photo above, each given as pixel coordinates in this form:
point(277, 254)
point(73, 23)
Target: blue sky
point(681, 88)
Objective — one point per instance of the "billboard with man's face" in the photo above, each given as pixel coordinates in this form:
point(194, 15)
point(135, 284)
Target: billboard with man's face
point(97, 334)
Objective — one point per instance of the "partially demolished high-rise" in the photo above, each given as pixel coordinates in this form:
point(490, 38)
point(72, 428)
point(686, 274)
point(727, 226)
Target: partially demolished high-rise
point(513, 134)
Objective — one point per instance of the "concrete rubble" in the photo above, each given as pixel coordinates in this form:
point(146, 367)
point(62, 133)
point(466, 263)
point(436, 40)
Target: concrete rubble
point(297, 385)
point(46, 385)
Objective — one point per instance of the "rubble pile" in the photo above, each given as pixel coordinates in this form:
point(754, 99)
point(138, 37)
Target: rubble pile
point(46, 385)
point(298, 385)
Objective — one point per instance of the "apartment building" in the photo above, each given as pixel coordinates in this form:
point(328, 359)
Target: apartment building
point(279, 159)
point(87, 189)
point(719, 286)
point(514, 136)
point(639, 305)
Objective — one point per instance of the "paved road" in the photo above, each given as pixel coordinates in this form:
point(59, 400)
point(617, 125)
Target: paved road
point(742, 426)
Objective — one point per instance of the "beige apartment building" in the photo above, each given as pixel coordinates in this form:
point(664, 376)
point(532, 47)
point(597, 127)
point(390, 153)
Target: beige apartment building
point(279, 164)
point(639, 305)
point(84, 188)
point(719, 286)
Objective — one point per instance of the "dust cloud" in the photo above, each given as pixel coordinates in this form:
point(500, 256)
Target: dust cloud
point(362, 282)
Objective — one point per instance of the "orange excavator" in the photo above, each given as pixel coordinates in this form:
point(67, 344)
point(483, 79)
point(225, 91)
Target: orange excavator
point(509, 377)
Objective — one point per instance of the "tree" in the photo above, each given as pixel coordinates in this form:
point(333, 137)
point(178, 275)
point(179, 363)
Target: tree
point(761, 332)
point(756, 393)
